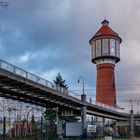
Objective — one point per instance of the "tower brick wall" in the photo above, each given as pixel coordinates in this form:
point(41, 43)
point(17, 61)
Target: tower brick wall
point(105, 87)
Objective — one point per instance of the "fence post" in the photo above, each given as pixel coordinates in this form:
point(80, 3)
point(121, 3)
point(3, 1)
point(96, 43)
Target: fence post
point(132, 124)
point(41, 135)
point(4, 128)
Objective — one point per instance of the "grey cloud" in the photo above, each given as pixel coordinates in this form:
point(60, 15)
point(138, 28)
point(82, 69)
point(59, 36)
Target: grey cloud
point(57, 33)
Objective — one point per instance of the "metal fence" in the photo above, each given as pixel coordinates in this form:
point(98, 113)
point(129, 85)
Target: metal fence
point(33, 129)
point(36, 128)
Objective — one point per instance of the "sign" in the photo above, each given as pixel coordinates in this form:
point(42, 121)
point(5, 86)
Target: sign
point(91, 128)
point(73, 129)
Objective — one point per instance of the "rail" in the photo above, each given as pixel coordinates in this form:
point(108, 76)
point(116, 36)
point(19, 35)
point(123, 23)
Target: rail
point(91, 101)
point(25, 74)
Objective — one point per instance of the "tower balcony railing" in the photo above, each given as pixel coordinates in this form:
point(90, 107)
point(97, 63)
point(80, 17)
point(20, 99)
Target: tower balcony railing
point(25, 74)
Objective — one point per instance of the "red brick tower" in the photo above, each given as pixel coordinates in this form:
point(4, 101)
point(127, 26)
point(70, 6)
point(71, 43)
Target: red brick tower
point(105, 45)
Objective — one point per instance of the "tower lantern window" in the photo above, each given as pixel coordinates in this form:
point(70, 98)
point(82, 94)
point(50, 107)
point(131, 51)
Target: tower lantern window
point(112, 46)
point(117, 48)
point(105, 46)
point(93, 50)
point(98, 48)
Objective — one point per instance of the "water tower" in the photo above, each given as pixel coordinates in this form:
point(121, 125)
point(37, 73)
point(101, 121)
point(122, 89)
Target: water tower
point(105, 48)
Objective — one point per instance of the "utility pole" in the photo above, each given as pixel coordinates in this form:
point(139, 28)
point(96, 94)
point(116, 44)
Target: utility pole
point(4, 128)
point(84, 108)
point(131, 121)
point(83, 84)
point(83, 115)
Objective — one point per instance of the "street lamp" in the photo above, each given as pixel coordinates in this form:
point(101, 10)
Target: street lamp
point(131, 104)
point(83, 109)
point(9, 111)
point(82, 78)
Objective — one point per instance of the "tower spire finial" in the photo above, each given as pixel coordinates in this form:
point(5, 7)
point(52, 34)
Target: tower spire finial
point(105, 22)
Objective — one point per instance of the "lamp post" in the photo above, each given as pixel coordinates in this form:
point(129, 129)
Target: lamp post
point(82, 78)
point(131, 120)
point(83, 109)
point(131, 104)
point(138, 107)
point(9, 112)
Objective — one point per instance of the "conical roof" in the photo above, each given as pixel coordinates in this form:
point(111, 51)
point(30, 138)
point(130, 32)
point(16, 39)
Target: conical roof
point(105, 30)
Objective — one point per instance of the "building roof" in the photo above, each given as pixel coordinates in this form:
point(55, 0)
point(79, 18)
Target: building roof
point(105, 30)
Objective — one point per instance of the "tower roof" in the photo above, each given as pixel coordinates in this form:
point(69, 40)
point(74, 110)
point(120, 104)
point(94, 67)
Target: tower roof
point(105, 30)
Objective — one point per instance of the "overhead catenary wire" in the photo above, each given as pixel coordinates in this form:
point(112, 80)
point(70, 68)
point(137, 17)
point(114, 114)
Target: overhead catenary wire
point(124, 92)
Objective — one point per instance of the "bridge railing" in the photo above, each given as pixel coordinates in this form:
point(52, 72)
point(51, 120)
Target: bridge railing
point(23, 73)
point(18, 71)
point(73, 94)
point(89, 100)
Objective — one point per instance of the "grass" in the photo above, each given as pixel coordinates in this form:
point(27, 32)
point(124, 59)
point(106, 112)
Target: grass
point(90, 139)
point(101, 139)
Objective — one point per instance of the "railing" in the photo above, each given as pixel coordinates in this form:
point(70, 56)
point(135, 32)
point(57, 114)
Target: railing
point(18, 71)
point(91, 101)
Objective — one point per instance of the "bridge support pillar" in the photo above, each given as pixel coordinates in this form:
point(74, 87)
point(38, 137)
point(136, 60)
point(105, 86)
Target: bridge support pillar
point(59, 125)
point(103, 126)
point(131, 124)
point(83, 115)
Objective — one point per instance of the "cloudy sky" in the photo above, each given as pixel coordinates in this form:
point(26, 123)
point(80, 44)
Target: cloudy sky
point(50, 36)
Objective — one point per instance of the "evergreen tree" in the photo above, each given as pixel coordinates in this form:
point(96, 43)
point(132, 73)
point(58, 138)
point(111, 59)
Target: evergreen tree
point(49, 124)
point(50, 115)
point(59, 81)
point(34, 130)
